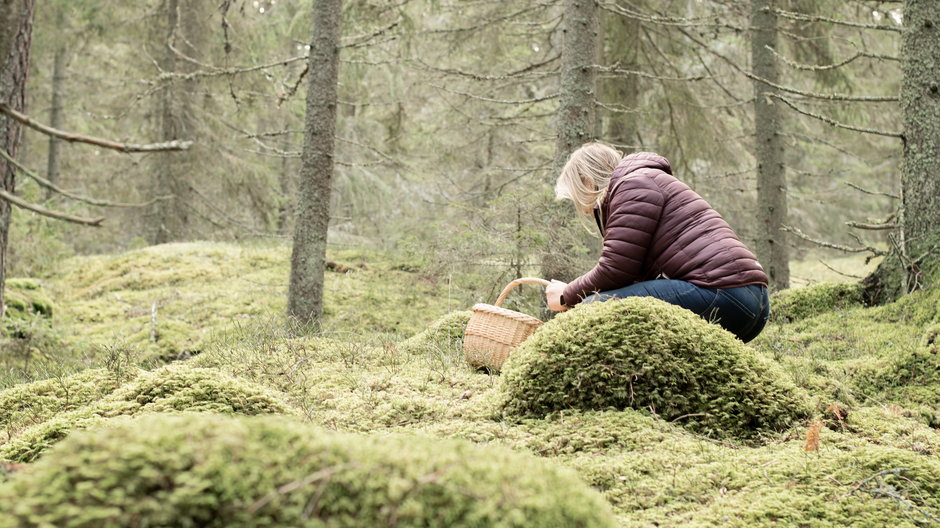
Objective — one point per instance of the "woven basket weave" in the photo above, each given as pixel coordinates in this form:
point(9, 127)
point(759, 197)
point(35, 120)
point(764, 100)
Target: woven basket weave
point(493, 332)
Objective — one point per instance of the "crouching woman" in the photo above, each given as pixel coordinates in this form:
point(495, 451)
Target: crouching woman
point(661, 240)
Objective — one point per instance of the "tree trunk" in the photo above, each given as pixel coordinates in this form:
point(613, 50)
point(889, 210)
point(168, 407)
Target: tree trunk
point(915, 262)
point(16, 25)
point(305, 294)
point(55, 112)
point(574, 124)
point(920, 103)
point(172, 171)
point(772, 249)
point(621, 35)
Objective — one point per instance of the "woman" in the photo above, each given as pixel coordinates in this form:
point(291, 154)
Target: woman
point(661, 240)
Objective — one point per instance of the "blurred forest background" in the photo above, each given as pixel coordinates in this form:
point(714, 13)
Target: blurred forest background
point(446, 131)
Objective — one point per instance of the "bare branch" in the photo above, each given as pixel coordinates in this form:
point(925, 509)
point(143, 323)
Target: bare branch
point(849, 275)
point(825, 67)
point(219, 72)
point(104, 143)
point(872, 227)
point(362, 40)
point(877, 252)
point(833, 122)
point(53, 187)
point(876, 193)
point(483, 77)
point(4, 195)
point(487, 23)
point(815, 18)
point(623, 73)
point(710, 21)
point(788, 89)
point(500, 101)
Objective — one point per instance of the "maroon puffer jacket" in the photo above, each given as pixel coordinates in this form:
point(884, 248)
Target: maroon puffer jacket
point(655, 225)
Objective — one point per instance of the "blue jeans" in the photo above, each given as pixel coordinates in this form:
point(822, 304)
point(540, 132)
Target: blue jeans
point(743, 311)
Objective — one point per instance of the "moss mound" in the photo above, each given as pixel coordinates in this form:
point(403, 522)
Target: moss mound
point(643, 353)
point(919, 309)
point(210, 470)
point(174, 388)
point(32, 403)
point(800, 303)
point(26, 326)
point(445, 333)
point(909, 376)
point(204, 291)
point(27, 297)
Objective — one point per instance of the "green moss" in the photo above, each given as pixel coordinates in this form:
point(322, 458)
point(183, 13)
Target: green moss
point(175, 388)
point(31, 403)
point(173, 301)
point(800, 303)
point(846, 484)
point(445, 333)
point(25, 297)
point(646, 354)
point(354, 386)
point(890, 426)
point(918, 309)
point(654, 467)
point(206, 470)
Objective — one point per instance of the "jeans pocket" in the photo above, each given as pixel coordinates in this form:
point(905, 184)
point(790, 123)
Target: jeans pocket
point(742, 306)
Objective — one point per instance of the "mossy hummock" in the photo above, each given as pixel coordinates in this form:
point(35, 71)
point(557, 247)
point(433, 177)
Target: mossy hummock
point(799, 303)
point(213, 470)
point(175, 388)
point(26, 297)
point(643, 353)
point(31, 403)
point(446, 333)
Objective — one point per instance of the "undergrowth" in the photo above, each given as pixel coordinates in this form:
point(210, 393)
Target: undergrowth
point(827, 419)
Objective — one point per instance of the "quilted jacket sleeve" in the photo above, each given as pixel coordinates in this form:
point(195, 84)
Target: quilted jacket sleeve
point(634, 210)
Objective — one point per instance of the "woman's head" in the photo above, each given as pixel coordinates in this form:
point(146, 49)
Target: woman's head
point(585, 176)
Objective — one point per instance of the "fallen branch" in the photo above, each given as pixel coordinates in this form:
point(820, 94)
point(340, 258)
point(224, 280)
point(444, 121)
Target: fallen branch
point(691, 415)
point(100, 142)
point(4, 195)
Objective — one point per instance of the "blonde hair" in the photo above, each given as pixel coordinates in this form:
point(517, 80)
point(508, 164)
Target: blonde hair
point(585, 176)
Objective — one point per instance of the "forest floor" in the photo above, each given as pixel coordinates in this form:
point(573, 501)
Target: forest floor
point(199, 327)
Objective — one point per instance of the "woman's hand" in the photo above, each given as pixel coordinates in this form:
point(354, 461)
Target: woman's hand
point(553, 294)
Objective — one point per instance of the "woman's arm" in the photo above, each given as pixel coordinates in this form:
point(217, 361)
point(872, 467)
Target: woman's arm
point(635, 205)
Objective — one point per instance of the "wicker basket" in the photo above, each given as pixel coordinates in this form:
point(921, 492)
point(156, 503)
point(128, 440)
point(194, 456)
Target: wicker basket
point(493, 331)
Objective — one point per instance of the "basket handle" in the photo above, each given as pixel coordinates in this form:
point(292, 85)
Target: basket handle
point(513, 284)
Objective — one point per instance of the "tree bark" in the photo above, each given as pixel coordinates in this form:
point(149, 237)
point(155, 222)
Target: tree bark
point(16, 25)
point(621, 35)
point(172, 172)
point(915, 260)
point(55, 110)
point(305, 293)
point(920, 104)
point(772, 248)
point(574, 123)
